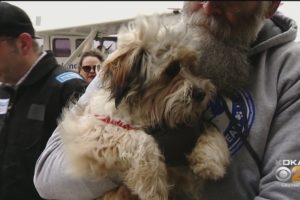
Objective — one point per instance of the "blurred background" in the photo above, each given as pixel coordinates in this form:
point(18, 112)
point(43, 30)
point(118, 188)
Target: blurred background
point(58, 14)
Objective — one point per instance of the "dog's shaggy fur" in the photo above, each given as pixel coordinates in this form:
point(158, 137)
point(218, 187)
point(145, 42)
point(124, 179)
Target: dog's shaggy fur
point(152, 78)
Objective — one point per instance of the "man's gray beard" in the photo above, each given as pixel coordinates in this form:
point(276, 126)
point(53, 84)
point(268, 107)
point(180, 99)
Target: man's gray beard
point(226, 66)
point(224, 54)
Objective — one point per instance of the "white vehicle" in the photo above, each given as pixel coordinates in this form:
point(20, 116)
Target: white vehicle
point(68, 43)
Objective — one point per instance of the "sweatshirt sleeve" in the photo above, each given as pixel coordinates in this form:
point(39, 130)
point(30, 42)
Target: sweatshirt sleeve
point(51, 177)
point(281, 162)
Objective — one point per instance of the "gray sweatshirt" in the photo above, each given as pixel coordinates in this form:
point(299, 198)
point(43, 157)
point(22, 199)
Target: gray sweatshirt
point(267, 113)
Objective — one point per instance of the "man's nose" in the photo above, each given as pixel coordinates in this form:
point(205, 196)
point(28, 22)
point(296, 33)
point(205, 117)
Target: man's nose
point(210, 7)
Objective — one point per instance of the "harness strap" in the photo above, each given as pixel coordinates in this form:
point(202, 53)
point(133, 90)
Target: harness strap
point(241, 135)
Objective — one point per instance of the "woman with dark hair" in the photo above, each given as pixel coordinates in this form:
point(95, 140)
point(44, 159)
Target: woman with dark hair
point(89, 63)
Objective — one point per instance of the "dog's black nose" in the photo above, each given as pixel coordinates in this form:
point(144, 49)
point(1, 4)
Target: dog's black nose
point(198, 94)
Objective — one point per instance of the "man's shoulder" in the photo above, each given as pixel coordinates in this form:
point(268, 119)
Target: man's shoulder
point(64, 76)
point(69, 83)
point(288, 51)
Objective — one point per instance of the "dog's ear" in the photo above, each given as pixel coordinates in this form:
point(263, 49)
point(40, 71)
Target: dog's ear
point(122, 71)
point(133, 78)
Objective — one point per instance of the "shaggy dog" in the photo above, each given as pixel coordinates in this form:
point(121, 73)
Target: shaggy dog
point(151, 79)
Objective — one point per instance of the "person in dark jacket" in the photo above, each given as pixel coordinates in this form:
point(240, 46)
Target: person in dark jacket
point(34, 88)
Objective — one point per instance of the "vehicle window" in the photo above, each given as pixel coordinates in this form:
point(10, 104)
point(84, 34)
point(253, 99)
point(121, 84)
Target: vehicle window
point(109, 46)
point(61, 47)
point(78, 42)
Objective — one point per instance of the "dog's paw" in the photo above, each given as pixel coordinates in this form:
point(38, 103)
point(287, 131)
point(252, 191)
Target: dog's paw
point(209, 170)
point(210, 157)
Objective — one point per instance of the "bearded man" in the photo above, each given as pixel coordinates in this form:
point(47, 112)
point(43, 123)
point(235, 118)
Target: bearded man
point(257, 107)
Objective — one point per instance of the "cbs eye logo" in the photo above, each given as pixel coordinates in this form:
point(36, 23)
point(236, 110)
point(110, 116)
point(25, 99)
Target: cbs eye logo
point(284, 174)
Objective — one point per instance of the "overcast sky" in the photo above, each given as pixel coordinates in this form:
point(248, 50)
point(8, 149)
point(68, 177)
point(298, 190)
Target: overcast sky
point(58, 14)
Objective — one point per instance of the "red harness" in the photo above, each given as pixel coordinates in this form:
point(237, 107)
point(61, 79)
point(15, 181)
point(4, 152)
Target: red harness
point(119, 123)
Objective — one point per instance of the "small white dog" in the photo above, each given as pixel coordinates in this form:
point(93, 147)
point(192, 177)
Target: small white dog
point(151, 79)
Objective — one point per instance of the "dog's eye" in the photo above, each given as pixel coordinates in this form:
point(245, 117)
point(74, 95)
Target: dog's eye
point(173, 69)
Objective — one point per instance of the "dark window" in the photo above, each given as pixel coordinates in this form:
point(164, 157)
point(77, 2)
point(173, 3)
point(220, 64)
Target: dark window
point(78, 42)
point(61, 47)
point(108, 44)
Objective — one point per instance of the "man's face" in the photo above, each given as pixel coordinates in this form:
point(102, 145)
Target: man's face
point(235, 21)
point(226, 29)
point(9, 58)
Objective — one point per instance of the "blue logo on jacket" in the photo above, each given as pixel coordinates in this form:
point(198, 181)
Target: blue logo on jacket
point(242, 111)
point(67, 76)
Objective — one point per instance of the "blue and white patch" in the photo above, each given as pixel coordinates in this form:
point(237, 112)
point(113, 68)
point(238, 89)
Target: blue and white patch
point(67, 76)
point(4, 106)
point(242, 109)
